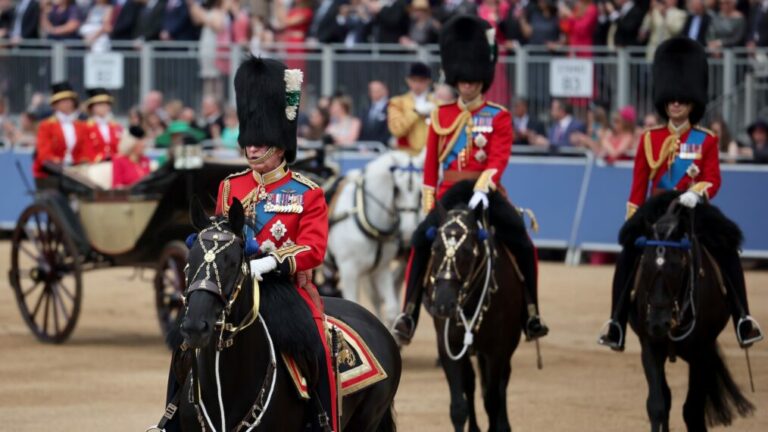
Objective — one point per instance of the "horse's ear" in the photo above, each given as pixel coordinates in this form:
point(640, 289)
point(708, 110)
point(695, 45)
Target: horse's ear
point(197, 214)
point(236, 216)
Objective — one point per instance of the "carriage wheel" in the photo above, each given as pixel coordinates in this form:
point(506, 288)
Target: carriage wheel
point(45, 274)
point(170, 284)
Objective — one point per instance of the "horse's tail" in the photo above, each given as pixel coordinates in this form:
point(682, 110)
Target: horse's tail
point(387, 423)
point(722, 393)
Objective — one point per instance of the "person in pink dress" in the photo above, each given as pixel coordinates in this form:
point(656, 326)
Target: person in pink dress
point(293, 26)
point(130, 165)
point(494, 12)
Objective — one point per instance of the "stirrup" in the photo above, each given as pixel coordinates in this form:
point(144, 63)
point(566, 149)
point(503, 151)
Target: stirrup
point(605, 331)
point(401, 337)
point(755, 326)
point(544, 330)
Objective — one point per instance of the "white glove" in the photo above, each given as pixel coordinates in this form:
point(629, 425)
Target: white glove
point(262, 266)
point(690, 199)
point(477, 198)
point(424, 108)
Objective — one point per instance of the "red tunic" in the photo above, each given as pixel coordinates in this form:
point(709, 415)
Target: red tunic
point(696, 168)
point(52, 146)
point(463, 141)
point(126, 172)
point(292, 215)
point(96, 148)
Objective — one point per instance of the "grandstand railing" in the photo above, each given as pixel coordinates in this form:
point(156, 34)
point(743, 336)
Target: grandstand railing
point(738, 77)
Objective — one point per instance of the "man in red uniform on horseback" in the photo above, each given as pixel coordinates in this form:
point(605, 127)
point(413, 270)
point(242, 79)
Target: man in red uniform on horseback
point(470, 139)
point(286, 210)
point(679, 156)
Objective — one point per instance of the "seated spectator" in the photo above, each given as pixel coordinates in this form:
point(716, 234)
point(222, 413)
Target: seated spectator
point(189, 116)
point(541, 25)
point(153, 126)
point(651, 120)
point(212, 118)
point(526, 128)
point(173, 109)
point(728, 145)
point(343, 127)
point(23, 136)
point(97, 26)
point(728, 27)
point(697, 24)
point(131, 165)
point(663, 21)
point(408, 115)
point(597, 119)
point(374, 116)
point(231, 129)
point(152, 103)
point(61, 20)
point(564, 125)
point(135, 118)
point(319, 119)
point(424, 28)
point(616, 142)
point(444, 94)
point(758, 134)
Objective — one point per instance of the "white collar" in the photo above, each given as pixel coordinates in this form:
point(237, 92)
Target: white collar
point(101, 120)
point(565, 121)
point(64, 118)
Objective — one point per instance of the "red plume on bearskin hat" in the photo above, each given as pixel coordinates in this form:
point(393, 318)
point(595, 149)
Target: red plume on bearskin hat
point(468, 51)
point(680, 73)
point(267, 95)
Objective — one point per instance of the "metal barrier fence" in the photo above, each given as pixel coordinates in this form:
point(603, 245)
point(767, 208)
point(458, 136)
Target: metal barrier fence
point(738, 77)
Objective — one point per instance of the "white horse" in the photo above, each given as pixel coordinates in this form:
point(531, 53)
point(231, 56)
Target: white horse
point(372, 215)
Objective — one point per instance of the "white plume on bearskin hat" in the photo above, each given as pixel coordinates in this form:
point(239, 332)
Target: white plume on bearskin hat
point(267, 96)
point(680, 73)
point(468, 51)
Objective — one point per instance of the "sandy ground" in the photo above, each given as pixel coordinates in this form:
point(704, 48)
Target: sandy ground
point(111, 375)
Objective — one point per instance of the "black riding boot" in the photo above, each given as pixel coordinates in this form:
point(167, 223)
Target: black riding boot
point(322, 421)
point(614, 337)
point(405, 324)
point(747, 330)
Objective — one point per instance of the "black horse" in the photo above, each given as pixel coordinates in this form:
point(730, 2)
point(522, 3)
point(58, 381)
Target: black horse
point(679, 309)
point(475, 296)
point(236, 367)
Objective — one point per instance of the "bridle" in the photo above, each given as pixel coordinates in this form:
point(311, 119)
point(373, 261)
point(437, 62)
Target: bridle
point(453, 234)
point(222, 239)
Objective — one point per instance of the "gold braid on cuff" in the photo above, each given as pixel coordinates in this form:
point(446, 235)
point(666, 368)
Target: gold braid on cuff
point(701, 188)
point(485, 182)
point(427, 199)
point(289, 253)
point(631, 209)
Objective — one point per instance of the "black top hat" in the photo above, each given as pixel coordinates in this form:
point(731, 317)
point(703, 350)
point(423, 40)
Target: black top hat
point(267, 96)
point(136, 132)
point(680, 74)
point(62, 90)
point(420, 70)
point(468, 50)
point(98, 95)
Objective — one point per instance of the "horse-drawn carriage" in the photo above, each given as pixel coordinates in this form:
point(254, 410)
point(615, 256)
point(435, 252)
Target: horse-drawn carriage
point(79, 227)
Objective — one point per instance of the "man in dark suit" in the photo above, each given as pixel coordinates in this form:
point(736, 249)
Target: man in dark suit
point(177, 25)
point(126, 20)
point(374, 116)
point(628, 17)
point(758, 25)
point(150, 21)
point(526, 128)
point(697, 23)
point(391, 23)
point(563, 125)
point(26, 21)
point(326, 26)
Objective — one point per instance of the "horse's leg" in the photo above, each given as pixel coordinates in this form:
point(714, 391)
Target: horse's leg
point(454, 373)
point(693, 409)
point(349, 278)
point(654, 357)
point(469, 393)
point(384, 287)
point(496, 370)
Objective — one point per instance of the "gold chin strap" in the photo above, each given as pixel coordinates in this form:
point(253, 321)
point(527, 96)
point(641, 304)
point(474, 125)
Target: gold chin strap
point(263, 158)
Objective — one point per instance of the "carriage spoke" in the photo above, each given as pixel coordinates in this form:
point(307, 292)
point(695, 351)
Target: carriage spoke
point(36, 309)
point(29, 290)
point(55, 310)
point(66, 291)
point(28, 253)
point(45, 315)
point(60, 302)
point(40, 235)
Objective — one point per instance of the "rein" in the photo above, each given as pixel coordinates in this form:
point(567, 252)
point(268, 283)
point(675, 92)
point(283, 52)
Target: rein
point(216, 234)
point(449, 262)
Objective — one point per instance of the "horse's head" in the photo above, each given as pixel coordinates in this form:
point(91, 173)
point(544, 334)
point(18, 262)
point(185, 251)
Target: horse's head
point(458, 251)
point(215, 271)
point(407, 173)
point(664, 273)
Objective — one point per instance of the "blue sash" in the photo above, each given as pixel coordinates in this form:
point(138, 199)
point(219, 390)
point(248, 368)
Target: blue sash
point(263, 217)
point(680, 166)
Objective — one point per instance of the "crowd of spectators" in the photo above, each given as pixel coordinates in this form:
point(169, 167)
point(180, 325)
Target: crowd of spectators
point(217, 23)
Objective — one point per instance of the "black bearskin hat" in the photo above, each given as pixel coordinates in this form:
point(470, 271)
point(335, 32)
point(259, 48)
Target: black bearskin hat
point(468, 51)
point(267, 96)
point(680, 73)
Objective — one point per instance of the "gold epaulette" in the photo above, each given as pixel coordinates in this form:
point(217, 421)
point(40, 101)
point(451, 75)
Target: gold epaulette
point(495, 105)
point(653, 128)
point(238, 174)
point(90, 122)
point(707, 131)
point(299, 177)
point(52, 119)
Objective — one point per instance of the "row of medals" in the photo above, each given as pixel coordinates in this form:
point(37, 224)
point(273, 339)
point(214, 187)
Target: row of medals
point(480, 126)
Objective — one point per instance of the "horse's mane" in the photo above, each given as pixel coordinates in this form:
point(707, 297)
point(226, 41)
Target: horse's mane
point(711, 226)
